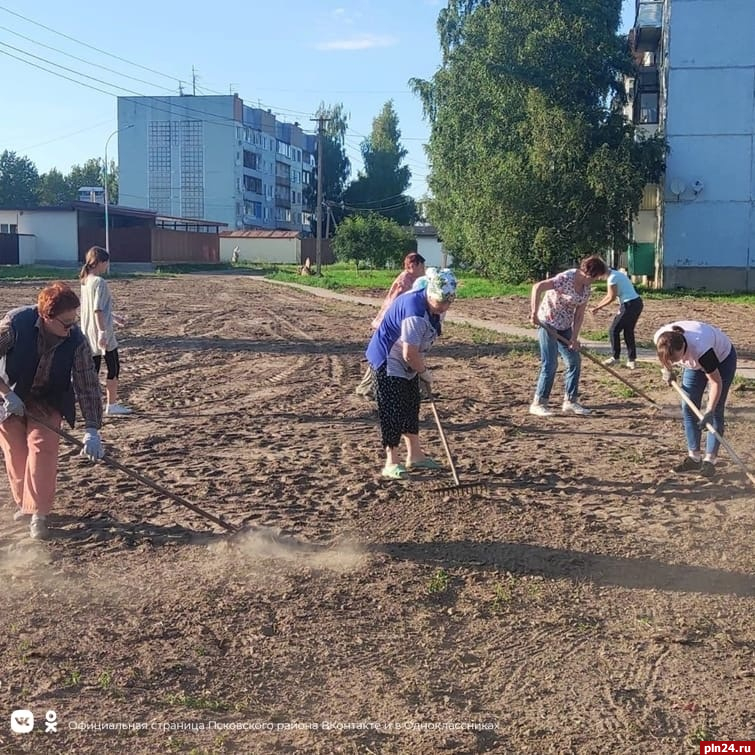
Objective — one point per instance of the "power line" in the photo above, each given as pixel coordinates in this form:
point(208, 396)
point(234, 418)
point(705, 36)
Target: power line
point(66, 136)
point(380, 208)
point(85, 44)
point(54, 73)
point(65, 68)
point(211, 118)
point(382, 199)
point(274, 108)
point(84, 60)
point(129, 62)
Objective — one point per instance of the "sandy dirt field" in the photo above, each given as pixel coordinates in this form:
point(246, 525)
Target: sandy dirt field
point(588, 601)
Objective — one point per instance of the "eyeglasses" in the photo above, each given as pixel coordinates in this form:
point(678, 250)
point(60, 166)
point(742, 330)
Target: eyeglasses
point(66, 325)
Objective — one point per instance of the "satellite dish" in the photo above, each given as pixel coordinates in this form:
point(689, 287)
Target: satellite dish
point(697, 186)
point(677, 186)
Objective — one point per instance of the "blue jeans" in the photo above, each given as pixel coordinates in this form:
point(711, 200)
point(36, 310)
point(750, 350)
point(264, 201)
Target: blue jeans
point(549, 351)
point(694, 383)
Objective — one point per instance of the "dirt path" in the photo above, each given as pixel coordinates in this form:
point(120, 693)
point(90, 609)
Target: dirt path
point(588, 602)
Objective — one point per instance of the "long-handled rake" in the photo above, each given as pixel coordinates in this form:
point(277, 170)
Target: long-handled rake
point(457, 488)
point(597, 361)
point(709, 427)
point(110, 462)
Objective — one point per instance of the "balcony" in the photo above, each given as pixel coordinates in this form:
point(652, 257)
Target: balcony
point(646, 107)
point(283, 181)
point(648, 26)
point(283, 202)
point(646, 79)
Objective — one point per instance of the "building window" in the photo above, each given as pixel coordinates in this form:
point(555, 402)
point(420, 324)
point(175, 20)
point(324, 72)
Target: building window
point(253, 209)
point(159, 159)
point(192, 169)
point(253, 184)
point(649, 107)
point(8, 228)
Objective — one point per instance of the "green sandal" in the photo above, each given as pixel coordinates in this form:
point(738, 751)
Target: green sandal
point(394, 472)
point(426, 463)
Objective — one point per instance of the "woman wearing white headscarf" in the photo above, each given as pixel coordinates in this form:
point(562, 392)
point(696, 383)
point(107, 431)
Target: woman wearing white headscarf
point(396, 353)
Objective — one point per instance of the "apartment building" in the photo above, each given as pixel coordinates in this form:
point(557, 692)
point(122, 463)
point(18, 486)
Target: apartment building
point(214, 156)
point(695, 83)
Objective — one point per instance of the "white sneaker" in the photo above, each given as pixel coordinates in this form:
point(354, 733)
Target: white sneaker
point(114, 410)
point(540, 410)
point(19, 516)
point(611, 360)
point(575, 407)
point(631, 365)
point(38, 528)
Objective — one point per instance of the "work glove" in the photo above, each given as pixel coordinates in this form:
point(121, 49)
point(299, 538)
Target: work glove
point(426, 377)
point(668, 376)
point(14, 404)
point(706, 419)
point(92, 448)
point(426, 384)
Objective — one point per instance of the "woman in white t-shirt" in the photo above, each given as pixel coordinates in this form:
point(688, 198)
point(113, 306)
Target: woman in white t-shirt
point(709, 359)
point(98, 323)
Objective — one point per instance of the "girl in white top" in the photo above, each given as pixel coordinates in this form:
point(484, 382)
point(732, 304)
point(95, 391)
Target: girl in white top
point(98, 321)
point(709, 359)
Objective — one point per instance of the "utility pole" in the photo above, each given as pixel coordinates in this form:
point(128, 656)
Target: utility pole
point(193, 81)
point(106, 196)
point(321, 120)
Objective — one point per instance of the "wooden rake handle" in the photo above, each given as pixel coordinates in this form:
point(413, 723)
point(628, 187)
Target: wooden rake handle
point(445, 442)
point(110, 462)
point(709, 427)
point(597, 361)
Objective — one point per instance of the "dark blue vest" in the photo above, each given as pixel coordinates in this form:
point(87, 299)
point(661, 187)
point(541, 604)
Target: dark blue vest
point(412, 304)
point(22, 360)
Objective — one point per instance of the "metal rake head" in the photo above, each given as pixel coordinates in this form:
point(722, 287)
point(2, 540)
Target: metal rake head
point(459, 491)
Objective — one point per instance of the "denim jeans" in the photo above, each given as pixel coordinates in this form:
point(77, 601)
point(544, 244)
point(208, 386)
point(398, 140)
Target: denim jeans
point(549, 351)
point(694, 383)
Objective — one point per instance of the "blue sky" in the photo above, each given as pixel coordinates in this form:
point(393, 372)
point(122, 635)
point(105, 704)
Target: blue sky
point(287, 55)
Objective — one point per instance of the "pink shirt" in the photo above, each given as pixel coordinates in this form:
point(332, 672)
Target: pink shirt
point(403, 283)
point(558, 306)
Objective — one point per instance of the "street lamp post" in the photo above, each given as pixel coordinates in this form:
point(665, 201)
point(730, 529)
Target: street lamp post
point(104, 173)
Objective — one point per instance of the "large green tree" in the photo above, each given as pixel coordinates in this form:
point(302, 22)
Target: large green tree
point(533, 163)
point(372, 239)
point(54, 189)
point(336, 166)
point(88, 174)
point(381, 186)
point(19, 181)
